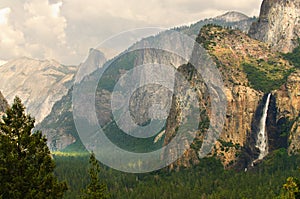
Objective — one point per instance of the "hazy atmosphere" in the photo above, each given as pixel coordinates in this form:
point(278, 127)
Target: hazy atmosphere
point(159, 99)
point(65, 30)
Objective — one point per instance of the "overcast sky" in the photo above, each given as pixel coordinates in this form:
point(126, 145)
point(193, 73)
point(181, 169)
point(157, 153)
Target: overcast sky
point(65, 30)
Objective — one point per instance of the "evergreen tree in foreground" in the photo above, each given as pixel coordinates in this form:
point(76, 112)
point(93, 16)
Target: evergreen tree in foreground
point(26, 166)
point(96, 189)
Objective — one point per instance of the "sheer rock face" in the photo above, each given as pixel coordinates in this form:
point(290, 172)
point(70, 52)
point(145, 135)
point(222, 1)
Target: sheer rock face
point(288, 104)
point(278, 24)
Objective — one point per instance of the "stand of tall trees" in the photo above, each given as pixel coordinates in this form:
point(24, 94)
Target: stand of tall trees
point(26, 165)
point(95, 189)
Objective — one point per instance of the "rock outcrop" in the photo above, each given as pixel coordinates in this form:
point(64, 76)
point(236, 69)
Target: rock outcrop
point(278, 24)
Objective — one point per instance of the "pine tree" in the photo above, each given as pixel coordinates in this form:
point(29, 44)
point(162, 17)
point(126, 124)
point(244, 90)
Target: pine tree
point(96, 189)
point(26, 165)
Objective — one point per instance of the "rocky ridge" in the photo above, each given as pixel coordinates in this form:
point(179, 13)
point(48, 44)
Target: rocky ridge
point(38, 83)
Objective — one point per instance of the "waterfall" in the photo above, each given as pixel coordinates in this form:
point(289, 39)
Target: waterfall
point(262, 136)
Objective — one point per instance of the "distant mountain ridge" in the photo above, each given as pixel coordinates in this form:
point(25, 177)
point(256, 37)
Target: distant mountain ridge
point(233, 19)
point(232, 16)
point(38, 83)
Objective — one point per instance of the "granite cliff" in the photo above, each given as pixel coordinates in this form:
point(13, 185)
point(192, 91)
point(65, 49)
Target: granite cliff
point(278, 24)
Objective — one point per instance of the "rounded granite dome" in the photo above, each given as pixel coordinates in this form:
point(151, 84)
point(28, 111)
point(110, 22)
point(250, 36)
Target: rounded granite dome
point(232, 16)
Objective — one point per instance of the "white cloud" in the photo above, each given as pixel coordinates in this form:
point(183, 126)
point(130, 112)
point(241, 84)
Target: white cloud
point(66, 29)
point(56, 9)
point(33, 28)
point(45, 27)
point(10, 39)
point(4, 15)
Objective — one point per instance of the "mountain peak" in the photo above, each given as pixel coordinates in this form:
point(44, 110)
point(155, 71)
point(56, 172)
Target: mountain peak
point(232, 16)
point(95, 60)
point(39, 83)
point(31, 61)
point(278, 24)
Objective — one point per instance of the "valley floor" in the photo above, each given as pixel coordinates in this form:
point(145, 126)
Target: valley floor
point(208, 180)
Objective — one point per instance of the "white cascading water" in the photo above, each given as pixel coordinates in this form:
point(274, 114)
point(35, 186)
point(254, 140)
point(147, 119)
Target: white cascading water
point(262, 136)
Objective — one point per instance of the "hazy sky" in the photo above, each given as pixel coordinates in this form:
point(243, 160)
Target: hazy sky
point(65, 29)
